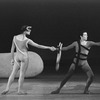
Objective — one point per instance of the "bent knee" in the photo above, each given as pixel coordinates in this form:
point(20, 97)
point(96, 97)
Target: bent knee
point(91, 76)
point(72, 67)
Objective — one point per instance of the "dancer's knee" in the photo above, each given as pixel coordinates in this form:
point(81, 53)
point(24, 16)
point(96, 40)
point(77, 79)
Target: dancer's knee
point(72, 68)
point(22, 74)
point(91, 77)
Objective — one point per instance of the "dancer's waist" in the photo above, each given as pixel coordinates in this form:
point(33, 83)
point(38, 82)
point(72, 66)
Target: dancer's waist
point(23, 52)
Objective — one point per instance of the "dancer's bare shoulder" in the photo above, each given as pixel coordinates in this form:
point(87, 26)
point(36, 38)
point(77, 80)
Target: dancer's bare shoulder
point(75, 43)
point(91, 43)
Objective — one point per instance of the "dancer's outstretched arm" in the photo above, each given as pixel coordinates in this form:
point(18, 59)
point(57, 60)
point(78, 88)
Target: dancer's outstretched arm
point(69, 46)
point(40, 46)
point(94, 43)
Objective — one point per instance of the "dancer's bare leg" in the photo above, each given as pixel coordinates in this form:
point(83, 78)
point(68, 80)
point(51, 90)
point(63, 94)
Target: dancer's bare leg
point(67, 77)
point(11, 78)
point(23, 69)
point(90, 75)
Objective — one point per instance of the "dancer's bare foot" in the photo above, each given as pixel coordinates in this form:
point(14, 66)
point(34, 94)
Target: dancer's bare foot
point(5, 92)
point(55, 92)
point(87, 92)
point(21, 93)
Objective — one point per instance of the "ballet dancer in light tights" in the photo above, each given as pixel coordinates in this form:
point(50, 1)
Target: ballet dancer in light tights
point(20, 59)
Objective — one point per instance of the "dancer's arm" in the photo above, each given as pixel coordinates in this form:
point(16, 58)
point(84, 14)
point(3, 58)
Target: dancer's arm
point(12, 50)
point(94, 43)
point(40, 46)
point(69, 46)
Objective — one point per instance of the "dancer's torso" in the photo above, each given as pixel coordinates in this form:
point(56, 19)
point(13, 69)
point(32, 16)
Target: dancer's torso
point(81, 53)
point(21, 48)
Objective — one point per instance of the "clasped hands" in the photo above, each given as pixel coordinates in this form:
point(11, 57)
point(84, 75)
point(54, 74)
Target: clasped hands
point(59, 47)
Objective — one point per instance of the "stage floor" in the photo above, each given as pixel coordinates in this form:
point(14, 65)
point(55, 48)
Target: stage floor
point(39, 88)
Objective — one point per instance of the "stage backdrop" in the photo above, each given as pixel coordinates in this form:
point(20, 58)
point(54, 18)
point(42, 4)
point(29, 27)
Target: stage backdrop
point(52, 21)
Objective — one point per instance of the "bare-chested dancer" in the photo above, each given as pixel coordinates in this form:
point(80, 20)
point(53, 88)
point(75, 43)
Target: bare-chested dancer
point(20, 60)
point(82, 48)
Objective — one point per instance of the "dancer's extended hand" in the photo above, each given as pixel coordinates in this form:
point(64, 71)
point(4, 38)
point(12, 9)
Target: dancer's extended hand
point(59, 47)
point(52, 48)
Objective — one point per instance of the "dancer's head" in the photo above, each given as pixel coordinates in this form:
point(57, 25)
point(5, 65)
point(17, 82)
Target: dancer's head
point(84, 36)
point(26, 29)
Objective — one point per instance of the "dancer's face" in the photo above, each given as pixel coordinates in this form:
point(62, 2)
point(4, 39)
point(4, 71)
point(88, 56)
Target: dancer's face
point(28, 31)
point(85, 36)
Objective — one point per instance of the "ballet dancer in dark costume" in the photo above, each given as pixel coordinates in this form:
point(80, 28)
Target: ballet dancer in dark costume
point(82, 48)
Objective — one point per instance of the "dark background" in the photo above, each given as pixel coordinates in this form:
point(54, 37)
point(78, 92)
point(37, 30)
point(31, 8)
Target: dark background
point(52, 21)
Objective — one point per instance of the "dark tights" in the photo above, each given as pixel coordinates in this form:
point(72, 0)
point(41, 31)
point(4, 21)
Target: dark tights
point(87, 70)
